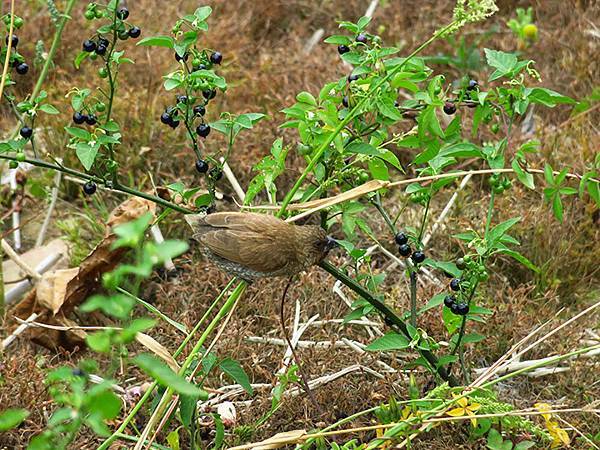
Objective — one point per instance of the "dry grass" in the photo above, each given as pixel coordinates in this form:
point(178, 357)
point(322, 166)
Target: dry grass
point(262, 42)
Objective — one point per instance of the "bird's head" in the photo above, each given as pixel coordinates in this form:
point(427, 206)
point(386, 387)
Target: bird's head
point(318, 244)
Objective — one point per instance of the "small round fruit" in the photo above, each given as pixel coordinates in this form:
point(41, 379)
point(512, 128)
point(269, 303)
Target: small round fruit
point(495, 128)
point(449, 300)
point(89, 46)
point(203, 130)
point(102, 72)
point(181, 58)
point(343, 49)
point(352, 78)
point(101, 49)
point(182, 99)
point(498, 189)
point(215, 173)
point(78, 117)
point(166, 118)
point(22, 68)
point(449, 108)
point(362, 38)
point(461, 264)
point(455, 284)
point(103, 41)
point(135, 32)
point(462, 309)
point(216, 58)
point(100, 107)
point(209, 94)
point(199, 110)
point(404, 250)
point(174, 124)
point(201, 166)
point(123, 35)
point(13, 164)
point(91, 119)
point(401, 238)
point(20, 156)
point(483, 276)
point(473, 84)
point(123, 13)
point(345, 101)
point(418, 257)
point(14, 41)
point(89, 14)
point(77, 372)
point(26, 132)
point(18, 22)
point(99, 14)
point(89, 188)
point(530, 31)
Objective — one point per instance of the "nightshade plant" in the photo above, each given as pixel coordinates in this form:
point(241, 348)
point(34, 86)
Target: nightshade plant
point(350, 134)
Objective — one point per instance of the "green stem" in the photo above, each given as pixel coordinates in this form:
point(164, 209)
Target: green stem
point(488, 222)
point(390, 317)
point(413, 296)
point(66, 15)
point(353, 112)
point(150, 390)
point(116, 187)
point(424, 220)
point(377, 203)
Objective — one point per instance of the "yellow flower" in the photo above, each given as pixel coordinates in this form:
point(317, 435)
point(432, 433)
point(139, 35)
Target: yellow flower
point(559, 436)
point(465, 409)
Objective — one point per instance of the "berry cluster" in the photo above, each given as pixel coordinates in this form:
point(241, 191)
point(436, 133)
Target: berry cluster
point(499, 184)
point(123, 30)
point(469, 93)
point(17, 61)
point(405, 250)
point(457, 307)
point(189, 108)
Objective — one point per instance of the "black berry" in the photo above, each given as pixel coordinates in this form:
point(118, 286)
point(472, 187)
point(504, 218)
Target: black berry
point(215, 173)
point(362, 38)
point(26, 132)
point(352, 78)
point(404, 250)
point(203, 130)
point(209, 94)
point(461, 264)
point(123, 35)
point(455, 284)
point(345, 101)
point(401, 238)
point(89, 188)
point(343, 49)
point(103, 41)
point(79, 118)
point(418, 257)
point(449, 108)
point(199, 67)
point(77, 372)
point(472, 104)
point(181, 58)
point(182, 99)
point(89, 46)
point(22, 68)
point(199, 110)
point(201, 166)
point(174, 124)
point(166, 118)
point(91, 119)
point(449, 300)
point(134, 32)
point(462, 309)
point(216, 58)
point(14, 41)
point(101, 49)
point(123, 13)
point(473, 84)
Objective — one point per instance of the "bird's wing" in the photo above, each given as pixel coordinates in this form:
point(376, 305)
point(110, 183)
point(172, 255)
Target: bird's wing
point(244, 221)
point(260, 252)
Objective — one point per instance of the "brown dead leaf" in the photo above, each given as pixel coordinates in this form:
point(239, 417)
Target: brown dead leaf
point(52, 288)
point(158, 349)
point(280, 440)
point(130, 210)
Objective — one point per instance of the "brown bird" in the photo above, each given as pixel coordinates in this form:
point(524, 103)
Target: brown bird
point(252, 246)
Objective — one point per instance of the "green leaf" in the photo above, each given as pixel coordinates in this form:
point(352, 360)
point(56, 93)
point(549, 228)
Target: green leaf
point(388, 110)
point(116, 305)
point(504, 63)
point(202, 13)
point(524, 177)
point(338, 39)
point(99, 341)
point(496, 232)
point(48, 109)
point(461, 150)
point(79, 133)
point(524, 445)
point(391, 341)
point(12, 418)
point(158, 41)
point(306, 97)
point(81, 56)
point(187, 408)
point(87, 153)
point(547, 97)
point(173, 439)
point(156, 369)
point(233, 368)
point(557, 207)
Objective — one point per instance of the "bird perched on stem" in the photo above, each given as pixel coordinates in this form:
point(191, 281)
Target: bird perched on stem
point(252, 246)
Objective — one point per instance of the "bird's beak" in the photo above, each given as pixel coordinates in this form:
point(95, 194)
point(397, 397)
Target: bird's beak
point(330, 244)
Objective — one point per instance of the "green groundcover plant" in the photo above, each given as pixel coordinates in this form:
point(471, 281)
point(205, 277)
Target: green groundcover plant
point(350, 134)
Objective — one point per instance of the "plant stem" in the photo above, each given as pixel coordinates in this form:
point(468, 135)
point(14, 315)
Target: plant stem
point(149, 391)
point(413, 296)
point(383, 212)
point(390, 317)
point(353, 112)
point(116, 187)
point(9, 48)
point(488, 222)
point(424, 220)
